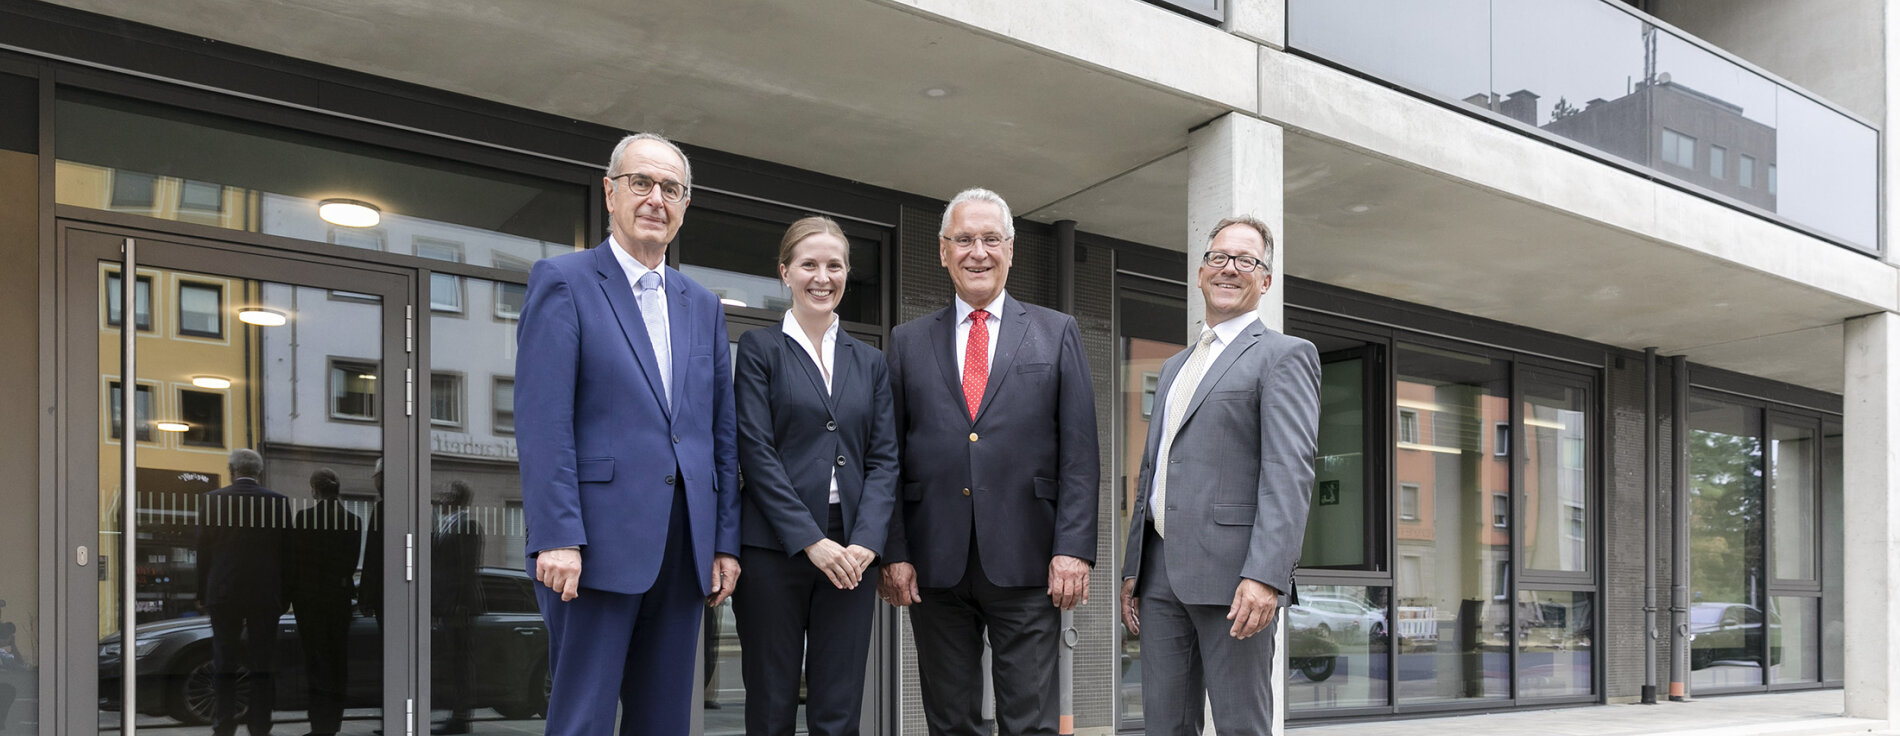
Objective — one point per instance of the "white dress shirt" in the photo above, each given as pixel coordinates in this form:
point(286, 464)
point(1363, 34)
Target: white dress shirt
point(1224, 334)
point(824, 357)
point(995, 322)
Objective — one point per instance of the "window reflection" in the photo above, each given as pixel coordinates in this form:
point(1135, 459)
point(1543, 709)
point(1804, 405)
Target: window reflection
point(1554, 643)
point(1725, 532)
point(1337, 640)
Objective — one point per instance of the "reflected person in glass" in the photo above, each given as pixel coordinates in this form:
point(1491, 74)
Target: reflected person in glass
point(818, 448)
point(241, 559)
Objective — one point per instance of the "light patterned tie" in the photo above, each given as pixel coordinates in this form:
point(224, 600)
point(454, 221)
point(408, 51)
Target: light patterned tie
point(1179, 395)
point(650, 304)
point(976, 361)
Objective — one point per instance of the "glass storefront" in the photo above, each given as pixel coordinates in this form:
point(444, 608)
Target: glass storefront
point(20, 441)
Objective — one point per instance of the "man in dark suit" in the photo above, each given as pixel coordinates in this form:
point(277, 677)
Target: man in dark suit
point(455, 598)
point(629, 467)
point(995, 528)
point(323, 541)
point(1225, 482)
point(241, 559)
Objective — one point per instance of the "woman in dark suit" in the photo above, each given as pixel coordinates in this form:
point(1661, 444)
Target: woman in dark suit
point(819, 451)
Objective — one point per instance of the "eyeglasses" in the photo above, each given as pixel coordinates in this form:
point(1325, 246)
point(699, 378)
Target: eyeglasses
point(991, 240)
point(642, 185)
point(1218, 260)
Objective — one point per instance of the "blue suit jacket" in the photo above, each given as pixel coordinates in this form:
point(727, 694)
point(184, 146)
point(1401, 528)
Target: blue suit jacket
point(1024, 473)
point(600, 450)
point(792, 434)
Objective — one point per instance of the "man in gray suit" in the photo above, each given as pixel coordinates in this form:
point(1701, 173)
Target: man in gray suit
point(1217, 531)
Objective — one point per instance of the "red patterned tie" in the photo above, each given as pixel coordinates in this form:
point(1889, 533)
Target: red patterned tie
point(976, 361)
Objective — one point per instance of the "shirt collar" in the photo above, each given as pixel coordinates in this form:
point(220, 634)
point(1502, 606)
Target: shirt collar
point(1226, 332)
point(634, 268)
point(791, 327)
point(964, 309)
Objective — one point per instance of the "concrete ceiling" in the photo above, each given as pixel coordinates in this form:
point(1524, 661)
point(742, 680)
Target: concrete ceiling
point(842, 87)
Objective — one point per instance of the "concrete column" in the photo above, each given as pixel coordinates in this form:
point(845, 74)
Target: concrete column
point(1872, 528)
point(1236, 165)
point(1260, 21)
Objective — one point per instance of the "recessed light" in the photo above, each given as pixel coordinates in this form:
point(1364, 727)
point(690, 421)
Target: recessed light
point(938, 92)
point(171, 426)
point(1359, 209)
point(262, 316)
point(210, 382)
point(349, 213)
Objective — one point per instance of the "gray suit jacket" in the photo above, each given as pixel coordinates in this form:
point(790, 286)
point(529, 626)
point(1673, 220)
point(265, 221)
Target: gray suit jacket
point(1240, 473)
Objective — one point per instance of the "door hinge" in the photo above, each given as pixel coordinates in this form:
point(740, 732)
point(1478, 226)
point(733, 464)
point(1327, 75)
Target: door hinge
point(409, 329)
point(409, 717)
point(409, 557)
point(409, 392)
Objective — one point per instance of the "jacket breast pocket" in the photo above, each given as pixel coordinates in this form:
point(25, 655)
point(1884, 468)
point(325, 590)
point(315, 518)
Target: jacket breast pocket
point(1241, 395)
point(1232, 514)
point(1033, 368)
point(595, 470)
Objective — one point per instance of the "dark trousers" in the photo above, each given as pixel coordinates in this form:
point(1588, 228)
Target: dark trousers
point(1187, 655)
point(635, 649)
point(791, 617)
point(1023, 625)
point(243, 640)
point(323, 624)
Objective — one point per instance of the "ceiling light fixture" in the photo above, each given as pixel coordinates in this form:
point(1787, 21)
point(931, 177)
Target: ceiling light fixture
point(731, 302)
point(349, 213)
point(167, 426)
point(262, 316)
point(210, 382)
point(938, 92)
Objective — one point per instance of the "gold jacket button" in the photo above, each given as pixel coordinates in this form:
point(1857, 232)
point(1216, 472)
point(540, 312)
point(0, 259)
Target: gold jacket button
point(966, 491)
point(972, 436)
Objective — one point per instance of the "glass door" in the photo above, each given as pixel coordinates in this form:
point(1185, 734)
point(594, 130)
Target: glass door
point(263, 564)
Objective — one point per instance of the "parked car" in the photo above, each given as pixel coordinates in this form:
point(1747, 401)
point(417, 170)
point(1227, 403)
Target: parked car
point(1725, 633)
point(174, 659)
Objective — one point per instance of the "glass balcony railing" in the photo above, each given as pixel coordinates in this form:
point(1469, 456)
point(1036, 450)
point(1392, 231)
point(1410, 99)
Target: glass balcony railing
point(1603, 76)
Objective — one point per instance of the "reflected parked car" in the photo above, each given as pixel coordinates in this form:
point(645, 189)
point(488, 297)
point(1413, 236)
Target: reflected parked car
point(174, 659)
point(1730, 633)
point(1336, 618)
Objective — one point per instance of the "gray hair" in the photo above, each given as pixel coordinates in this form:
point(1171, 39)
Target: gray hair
point(978, 194)
point(613, 162)
point(246, 463)
point(1266, 236)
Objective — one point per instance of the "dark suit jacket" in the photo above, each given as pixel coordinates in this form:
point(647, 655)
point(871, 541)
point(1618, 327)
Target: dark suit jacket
point(1240, 471)
point(455, 568)
point(600, 449)
point(324, 541)
point(1025, 473)
point(793, 435)
point(241, 550)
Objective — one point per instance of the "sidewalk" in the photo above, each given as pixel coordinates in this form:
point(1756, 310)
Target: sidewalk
point(1809, 713)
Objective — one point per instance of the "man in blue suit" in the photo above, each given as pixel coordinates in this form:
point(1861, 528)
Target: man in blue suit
point(629, 463)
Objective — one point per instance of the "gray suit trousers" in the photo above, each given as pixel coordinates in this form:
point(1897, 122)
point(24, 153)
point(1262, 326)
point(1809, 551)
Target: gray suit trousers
point(1186, 653)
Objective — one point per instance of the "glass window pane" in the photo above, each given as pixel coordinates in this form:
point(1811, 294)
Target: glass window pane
point(352, 390)
point(1151, 329)
point(141, 405)
point(1554, 643)
point(200, 310)
point(1556, 481)
point(445, 399)
point(445, 290)
point(1453, 606)
point(1337, 643)
point(1832, 540)
point(1793, 639)
point(203, 412)
point(1336, 524)
point(737, 258)
point(1725, 544)
point(1791, 455)
point(504, 406)
point(141, 309)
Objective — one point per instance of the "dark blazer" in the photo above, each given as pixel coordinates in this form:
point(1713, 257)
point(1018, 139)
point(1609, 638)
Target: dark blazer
point(1240, 472)
point(324, 540)
point(241, 549)
point(793, 435)
point(1025, 472)
point(601, 451)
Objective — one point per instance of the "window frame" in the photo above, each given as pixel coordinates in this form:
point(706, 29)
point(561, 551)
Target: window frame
point(459, 402)
point(217, 313)
point(223, 424)
point(332, 364)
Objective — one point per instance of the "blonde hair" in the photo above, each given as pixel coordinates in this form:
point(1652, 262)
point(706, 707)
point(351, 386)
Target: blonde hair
point(806, 227)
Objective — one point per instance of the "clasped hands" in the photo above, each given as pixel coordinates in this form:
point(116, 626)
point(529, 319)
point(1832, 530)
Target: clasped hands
point(843, 566)
point(560, 570)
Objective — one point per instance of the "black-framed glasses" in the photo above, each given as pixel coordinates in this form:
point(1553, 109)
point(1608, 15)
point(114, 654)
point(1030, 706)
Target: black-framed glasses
point(642, 185)
point(991, 240)
point(1243, 264)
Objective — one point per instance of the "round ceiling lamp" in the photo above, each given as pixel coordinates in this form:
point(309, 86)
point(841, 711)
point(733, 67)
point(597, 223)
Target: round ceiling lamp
point(349, 213)
point(210, 382)
point(169, 426)
point(262, 316)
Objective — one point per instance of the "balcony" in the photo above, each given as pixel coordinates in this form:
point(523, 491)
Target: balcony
point(1615, 84)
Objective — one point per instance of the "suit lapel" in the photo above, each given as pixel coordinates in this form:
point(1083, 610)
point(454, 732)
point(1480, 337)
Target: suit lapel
point(679, 318)
point(1014, 322)
point(841, 364)
point(796, 353)
point(943, 343)
point(1228, 355)
point(613, 283)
